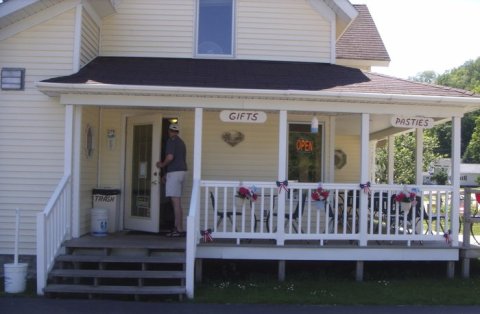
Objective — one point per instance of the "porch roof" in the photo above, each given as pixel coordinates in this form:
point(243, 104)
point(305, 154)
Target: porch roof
point(247, 74)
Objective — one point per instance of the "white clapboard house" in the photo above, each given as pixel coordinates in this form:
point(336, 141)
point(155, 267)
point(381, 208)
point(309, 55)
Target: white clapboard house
point(275, 96)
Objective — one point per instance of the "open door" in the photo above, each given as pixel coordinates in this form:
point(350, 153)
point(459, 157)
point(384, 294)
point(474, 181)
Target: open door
point(142, 186)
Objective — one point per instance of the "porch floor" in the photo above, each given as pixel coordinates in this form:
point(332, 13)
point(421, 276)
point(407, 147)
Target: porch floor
point(296, 250)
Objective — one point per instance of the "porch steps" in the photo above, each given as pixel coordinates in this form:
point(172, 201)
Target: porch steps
point(122, 266)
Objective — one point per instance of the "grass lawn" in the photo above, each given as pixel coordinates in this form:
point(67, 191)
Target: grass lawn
point(328, 283)
point(386, 283)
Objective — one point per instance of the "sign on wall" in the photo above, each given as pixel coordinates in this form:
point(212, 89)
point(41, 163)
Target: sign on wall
point(412, 122)
point(243, 116)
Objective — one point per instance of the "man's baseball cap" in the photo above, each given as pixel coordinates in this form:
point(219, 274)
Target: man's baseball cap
point(174, 127)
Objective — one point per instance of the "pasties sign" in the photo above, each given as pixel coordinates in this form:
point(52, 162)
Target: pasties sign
point(412, 122)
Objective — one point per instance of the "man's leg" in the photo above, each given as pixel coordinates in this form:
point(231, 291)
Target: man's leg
point(177, 208)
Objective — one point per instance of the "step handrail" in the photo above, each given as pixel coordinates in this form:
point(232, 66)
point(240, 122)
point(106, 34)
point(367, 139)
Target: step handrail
point(53, 227)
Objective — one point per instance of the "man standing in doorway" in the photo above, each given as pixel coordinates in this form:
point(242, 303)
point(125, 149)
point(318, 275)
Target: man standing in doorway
point(176, 168)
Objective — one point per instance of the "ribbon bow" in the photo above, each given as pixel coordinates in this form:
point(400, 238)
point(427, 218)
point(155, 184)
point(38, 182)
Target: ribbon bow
point(447, 236)
point(365, 187)
point(207, 235)
point(282, 185)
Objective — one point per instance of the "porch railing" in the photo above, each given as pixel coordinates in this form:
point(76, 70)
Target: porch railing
point(55, 219)
point(350, 213)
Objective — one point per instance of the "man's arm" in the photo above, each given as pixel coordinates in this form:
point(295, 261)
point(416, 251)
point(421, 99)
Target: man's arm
point(166, 161)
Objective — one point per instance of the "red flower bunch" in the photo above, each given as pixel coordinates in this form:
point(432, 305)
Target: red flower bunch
point(405, 197)
point(247, 193)
point(320, 194)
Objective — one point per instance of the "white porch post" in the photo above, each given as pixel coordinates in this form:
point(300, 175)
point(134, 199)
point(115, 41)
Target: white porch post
point(192, 220)
point(456, 141)
point(391, 158)
point(419, 157)
point(77, 149)
point(364, 175)
point(68, 156)
point(282, 174)
point(331, 164)
point(373, 167)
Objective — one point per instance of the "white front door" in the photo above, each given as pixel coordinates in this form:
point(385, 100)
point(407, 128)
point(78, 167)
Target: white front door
point(142, 186)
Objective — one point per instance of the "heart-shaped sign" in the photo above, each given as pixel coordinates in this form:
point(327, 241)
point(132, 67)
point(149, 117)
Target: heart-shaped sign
point(233, 137)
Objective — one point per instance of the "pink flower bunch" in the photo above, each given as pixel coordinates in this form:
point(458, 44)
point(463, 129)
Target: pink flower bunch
point(320, 194)
point(247, 193)
point(405, 197)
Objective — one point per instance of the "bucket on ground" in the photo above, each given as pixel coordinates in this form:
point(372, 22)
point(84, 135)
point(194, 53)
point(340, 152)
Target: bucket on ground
point(99, 221)
point(15, 277)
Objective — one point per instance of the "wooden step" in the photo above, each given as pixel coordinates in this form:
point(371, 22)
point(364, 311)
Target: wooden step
point(95, 273)
point(148, 243)
point(90, 289)
point(157, 259)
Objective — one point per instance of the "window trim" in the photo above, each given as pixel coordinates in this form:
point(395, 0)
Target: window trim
point(233, 43)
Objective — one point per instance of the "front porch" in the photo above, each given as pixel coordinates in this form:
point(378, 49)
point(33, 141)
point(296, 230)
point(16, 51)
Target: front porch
point(139, 265)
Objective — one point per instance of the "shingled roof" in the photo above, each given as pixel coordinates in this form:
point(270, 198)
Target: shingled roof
point(246, 74)
point(361, 41)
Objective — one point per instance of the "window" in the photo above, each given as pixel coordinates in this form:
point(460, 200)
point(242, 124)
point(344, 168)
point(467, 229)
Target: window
point(304, 153)
point(215, 27)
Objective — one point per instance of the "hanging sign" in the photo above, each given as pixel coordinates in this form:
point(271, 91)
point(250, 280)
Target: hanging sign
point(243, 116)
point(412, 122)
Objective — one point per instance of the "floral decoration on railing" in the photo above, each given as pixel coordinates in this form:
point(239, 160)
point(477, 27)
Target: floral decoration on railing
point(448, 237)
point(365, 187)
point(407, 196)
point(247, 193)
point(320, 194)
point(206, 235)
point(282, 185)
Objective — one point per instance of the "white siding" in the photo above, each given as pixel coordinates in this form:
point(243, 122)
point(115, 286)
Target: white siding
point(266, 30)
point(32, 127)
point(282, 30)
point(90, 39)
point(256, 158)
point(350, 145)
point(88, 166)
point(150, 28)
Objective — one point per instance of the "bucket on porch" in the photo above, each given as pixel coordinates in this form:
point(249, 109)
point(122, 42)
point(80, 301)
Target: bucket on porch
point(15, 277)
point(99, 221)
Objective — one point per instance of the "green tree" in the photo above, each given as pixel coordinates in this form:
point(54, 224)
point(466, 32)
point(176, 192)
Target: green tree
point(404, 158)
point(466, 77)
point(472, 153)
point(425, 77)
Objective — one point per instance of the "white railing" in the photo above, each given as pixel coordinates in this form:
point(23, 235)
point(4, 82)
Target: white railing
point(53, 227)
point(338, 218)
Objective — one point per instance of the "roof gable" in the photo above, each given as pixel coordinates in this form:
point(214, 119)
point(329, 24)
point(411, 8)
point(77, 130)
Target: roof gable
point(362, 41)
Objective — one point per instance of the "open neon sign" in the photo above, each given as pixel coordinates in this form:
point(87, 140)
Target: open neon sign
point(304, 145)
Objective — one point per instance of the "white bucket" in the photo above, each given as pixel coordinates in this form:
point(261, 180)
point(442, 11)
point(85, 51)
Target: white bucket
point(99, 222)
point(15, 277)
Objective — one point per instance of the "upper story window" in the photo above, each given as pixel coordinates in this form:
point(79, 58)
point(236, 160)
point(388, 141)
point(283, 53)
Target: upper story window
point(215, 27)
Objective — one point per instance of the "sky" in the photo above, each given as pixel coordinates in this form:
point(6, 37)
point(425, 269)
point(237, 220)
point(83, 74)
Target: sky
point(424, 35)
